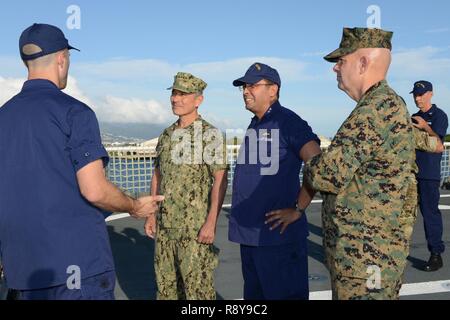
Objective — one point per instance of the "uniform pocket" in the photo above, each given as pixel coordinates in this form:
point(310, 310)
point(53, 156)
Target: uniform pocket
point(100, 287)
point(214, 256)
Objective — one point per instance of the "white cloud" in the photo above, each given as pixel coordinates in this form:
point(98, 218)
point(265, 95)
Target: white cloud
point(314, 54)
point(425, 63)
point(109, 109)
point(12, 86)
point(9, 88)
point(12, 67)
point(289, 69)
point(74, 90)
point(127, 75)
point(228, 70)
point(437, 30)
point(219, 122)
point(420, 63)
point(126, 69)
point(131, 91)
point(120, 110)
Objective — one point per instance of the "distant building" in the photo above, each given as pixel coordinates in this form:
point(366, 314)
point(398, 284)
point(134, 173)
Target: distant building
point(150, 143)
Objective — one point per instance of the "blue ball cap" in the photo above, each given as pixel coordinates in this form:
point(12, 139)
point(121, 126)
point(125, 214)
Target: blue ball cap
point(257, 72)
point(47, 39)
point(421, 87)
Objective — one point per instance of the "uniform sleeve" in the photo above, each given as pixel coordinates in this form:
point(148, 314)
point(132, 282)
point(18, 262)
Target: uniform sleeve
point(423, 141)
point(215, 151)
point(84, 144)
point(299, 133)
point(157, 160)
point(353, 145)
point(440, 125)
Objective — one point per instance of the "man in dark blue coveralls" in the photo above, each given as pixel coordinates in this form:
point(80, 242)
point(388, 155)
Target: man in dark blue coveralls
point(433, 120)
point(267, 216)
point(53, 239)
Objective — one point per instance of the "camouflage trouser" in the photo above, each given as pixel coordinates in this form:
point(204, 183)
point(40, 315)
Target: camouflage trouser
point(184, 268)
point(345, 288)
point(348, 270)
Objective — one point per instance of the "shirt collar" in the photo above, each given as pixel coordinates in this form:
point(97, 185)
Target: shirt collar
point(432, 109)
point(270, 113)
point(429, 112)
point(39, 84)
point(372, 89)
point(174, 126)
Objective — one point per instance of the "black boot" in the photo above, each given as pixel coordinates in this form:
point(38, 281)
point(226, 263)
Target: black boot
point(434, 264)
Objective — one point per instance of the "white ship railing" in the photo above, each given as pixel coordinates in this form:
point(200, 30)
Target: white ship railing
point(131, 168)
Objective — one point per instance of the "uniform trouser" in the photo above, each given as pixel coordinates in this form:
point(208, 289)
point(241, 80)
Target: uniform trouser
point(184, 268)
point(345, 288)
point(348, 281)
point(432, 217)
point(99, 287)
point(275, 272)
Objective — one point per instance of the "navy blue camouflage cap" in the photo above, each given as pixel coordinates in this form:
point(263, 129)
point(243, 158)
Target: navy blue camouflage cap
point(40, 40)
point(257, 72)
point(421, 87)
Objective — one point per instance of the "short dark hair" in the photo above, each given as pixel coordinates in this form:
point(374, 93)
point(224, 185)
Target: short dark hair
point(273, 83)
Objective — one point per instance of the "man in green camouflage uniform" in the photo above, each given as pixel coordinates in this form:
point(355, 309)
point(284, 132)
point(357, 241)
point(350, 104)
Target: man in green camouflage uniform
point(191, 171)
point(367, 175)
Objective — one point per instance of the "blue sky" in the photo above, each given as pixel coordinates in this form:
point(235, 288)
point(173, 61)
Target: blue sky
point(131, 51)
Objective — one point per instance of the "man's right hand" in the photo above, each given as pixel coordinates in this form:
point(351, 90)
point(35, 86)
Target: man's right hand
point(145, 206)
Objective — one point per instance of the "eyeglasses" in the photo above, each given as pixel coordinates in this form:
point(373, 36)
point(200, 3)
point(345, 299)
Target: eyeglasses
point(253, 86)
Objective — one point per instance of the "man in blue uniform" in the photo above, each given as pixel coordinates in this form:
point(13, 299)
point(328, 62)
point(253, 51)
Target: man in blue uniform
point(435, 122)
point(267, 217)
point(53, 238)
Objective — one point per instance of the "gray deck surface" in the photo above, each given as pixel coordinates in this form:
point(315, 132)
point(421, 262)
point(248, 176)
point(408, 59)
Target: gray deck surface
point(133, 253)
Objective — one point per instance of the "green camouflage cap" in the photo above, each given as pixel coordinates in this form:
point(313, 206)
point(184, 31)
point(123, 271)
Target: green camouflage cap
point(358, 38)
point(187, 83)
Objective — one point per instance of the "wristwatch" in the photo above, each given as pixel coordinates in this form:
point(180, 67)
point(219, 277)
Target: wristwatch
point(299, 210)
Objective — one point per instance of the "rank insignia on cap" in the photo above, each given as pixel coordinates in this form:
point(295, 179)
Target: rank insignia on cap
point(257, 66)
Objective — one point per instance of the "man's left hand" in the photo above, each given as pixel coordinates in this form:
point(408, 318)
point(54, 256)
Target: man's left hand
point(150, 226)
point(282, 217)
